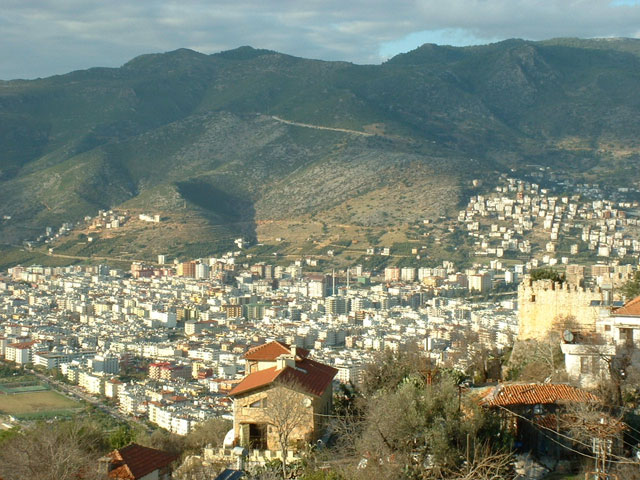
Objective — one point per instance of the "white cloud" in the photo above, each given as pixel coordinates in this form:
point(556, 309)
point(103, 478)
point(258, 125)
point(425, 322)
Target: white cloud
point(42, 38)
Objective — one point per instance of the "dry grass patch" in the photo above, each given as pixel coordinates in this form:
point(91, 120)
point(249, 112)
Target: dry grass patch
point(35, 403)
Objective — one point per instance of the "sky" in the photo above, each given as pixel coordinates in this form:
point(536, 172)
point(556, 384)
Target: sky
point(39, 38)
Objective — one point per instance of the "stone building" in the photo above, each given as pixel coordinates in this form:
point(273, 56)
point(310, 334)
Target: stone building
point(545, 306)
point(281, 376)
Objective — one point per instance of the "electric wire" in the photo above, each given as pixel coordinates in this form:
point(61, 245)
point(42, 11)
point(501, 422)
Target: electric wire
point(537, 426)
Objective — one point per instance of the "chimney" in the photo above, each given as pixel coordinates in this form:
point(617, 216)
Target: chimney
point(284, 361)
point(294, 351)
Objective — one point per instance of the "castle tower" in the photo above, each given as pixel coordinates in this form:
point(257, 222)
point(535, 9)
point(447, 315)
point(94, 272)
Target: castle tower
point(545, 306)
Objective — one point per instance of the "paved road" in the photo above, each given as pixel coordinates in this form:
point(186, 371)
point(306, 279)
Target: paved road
point(113, 259)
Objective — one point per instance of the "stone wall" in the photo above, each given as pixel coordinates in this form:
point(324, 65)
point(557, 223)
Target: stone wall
point(545, 306)
point(244, 415)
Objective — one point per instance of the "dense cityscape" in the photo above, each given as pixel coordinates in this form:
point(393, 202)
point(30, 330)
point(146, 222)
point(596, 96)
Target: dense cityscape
point(319, 241)
point(165, 345)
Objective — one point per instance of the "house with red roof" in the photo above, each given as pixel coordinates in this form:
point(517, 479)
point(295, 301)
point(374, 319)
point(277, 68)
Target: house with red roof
point(536, 413)
point(135, 462)
point(528, 395)
point(20, 352)
point(625, 329)
point(277, 373)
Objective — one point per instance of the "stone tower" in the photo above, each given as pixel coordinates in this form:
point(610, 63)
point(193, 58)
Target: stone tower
point(545, 306)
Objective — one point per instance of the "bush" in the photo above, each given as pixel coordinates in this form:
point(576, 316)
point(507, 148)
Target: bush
point(547, 274)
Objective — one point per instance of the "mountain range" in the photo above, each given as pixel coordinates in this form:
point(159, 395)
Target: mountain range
point(225, 145)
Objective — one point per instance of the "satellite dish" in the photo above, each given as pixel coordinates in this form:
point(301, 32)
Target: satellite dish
point(306, 402)
point(567, 336)
point(229, 439)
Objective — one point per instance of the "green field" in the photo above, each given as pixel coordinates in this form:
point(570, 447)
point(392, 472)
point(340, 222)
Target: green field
point(37, 404)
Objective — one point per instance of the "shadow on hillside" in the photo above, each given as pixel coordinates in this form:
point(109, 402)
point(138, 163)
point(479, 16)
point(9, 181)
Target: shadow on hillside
point(235, 212)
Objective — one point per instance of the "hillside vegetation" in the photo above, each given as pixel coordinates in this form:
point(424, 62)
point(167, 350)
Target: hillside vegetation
point(230, 141)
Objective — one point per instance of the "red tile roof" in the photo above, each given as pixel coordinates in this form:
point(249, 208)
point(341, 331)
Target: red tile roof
point(135, 461)
point(532, 394)
point(269, 352)
point(255, 380)
point(23, 345)
point(313, 377)
point(549, 421)
point(631, 308)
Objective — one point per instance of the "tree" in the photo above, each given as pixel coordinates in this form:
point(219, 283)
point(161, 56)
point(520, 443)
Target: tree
point(287, 410)
point(347, 399)
point(622, 373)
point(389, 369)
point(54, 451)
point(424, 431)
point(547, 274)
point(121, 436)
point(194, 466)
point(411, 422)
point(208, 433)
point(485, 463)
point(6, 435)
point(8, 369)
point(537, 360)
point(631, 289)
point(594, 428)
point(163, 440)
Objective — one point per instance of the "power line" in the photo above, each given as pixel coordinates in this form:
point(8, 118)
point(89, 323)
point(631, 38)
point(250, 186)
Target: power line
point(637, 431)
point(538, 426)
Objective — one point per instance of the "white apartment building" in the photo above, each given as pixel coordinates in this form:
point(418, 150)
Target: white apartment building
point(91, 383)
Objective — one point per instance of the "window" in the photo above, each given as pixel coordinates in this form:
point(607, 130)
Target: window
point(595, 365)
point(626, 334)
point(585, 365)
point(607, 328)
point(260, 403)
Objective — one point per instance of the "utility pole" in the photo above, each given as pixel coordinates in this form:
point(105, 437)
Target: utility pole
point(604, 432)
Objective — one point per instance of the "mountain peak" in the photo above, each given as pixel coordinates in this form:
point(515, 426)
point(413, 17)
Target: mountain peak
point(173, 56)
point(245, 52)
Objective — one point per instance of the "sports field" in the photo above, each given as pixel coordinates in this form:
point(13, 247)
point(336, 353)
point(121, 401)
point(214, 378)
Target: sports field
point(22, 387)
point(37, 404)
